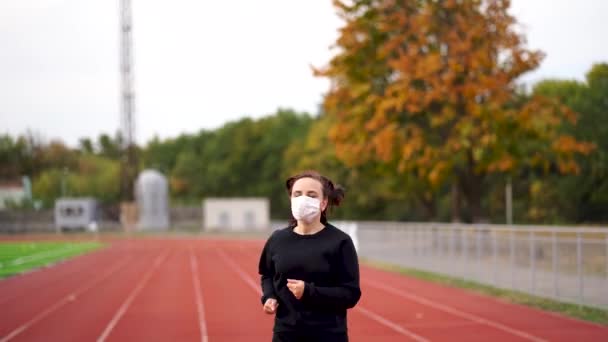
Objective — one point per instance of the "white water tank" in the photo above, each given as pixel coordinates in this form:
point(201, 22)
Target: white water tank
point(152, 196)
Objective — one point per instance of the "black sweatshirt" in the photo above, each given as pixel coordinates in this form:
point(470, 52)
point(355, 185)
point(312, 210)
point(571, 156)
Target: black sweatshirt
point(327, 262)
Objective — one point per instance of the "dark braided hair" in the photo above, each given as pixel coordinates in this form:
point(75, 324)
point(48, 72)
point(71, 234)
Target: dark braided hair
point(333, 193)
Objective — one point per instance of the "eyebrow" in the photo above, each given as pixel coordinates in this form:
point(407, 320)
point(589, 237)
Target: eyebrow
point(308, 192)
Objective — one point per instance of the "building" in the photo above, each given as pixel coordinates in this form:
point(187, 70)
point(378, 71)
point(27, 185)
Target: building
point(13, 193)
point(76, 213)
point(236, 214)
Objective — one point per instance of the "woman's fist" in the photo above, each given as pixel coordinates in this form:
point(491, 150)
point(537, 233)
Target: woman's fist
point(270, 307)
point(296, 287)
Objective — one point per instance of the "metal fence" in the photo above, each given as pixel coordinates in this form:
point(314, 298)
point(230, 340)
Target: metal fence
point(564, 263)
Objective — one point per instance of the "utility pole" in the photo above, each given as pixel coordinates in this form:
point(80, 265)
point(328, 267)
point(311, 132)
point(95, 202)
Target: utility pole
point(127, 103)
point(127, 117)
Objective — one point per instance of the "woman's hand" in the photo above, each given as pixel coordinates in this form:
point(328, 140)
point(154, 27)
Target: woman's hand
point(296, 287)
point(270, 307)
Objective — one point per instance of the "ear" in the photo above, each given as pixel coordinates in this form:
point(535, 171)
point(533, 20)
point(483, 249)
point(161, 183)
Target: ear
point(324, 204)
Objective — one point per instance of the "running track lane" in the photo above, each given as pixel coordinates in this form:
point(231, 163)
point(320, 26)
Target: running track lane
point(233, 313)
point(167, 301)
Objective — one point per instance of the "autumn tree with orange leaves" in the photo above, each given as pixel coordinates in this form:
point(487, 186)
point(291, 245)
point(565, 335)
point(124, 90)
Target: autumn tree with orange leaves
point(429, 87)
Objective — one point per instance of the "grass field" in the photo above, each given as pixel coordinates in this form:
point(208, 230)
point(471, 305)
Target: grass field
point(18, 257)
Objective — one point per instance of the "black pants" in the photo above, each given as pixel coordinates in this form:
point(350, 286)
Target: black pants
point(304, 337)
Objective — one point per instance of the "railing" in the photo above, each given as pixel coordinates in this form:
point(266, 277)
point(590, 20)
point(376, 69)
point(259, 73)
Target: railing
point(564, 263)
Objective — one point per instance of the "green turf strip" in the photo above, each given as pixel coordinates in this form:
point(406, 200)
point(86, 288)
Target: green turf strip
point(573, 310)
point(23, 256)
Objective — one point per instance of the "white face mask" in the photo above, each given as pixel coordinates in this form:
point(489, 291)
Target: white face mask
point(304, 208)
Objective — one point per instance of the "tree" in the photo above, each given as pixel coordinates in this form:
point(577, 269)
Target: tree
point(186, 177)
point(108, 147)
point(584, 197)
point(369, 187)
point(10, 151)
point(86, 145)
point(162, 155)
point(92, 175)
point(245, 158)
point(241, 158)
point(428, 87)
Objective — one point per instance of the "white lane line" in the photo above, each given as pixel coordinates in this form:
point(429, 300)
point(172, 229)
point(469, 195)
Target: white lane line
point(390, 324)
point(125, 305)
point(369, 314)
point(242, 274)
point(453, 311)
point(200, 308)
point(65, 300)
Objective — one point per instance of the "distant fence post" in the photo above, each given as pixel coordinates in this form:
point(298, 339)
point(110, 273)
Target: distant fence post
point(512, 256)
point(532, 263)
point(555, 264)
point(495, 256)
point(579, 265)
point(465, 251)
point(478, 253)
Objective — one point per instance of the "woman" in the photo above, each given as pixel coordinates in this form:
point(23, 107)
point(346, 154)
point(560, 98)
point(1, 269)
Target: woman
point(309, 270)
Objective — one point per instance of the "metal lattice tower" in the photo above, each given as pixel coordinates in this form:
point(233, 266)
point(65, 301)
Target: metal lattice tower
point(127, 103)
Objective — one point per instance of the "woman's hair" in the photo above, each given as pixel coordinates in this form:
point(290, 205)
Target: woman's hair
point(333, 193)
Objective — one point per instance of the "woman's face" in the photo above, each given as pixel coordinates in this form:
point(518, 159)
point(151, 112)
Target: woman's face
point(309, 187)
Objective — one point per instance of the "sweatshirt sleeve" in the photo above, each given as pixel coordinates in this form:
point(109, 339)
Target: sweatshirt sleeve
point(266, 270)
point(346, 293)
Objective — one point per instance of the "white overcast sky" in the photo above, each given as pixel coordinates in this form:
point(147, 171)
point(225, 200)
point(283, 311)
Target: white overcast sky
point(199, 64)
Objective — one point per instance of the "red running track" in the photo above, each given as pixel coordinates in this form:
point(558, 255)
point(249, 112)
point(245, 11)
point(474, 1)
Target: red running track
point(207, 290)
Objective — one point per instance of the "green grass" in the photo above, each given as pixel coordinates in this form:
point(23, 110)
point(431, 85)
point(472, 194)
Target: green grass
point(18, 257)
point(572, 310)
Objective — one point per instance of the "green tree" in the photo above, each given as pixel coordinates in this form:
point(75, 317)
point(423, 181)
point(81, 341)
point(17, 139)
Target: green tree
point(163, 154)
point(186, 177)
point(86, 145)
point(108, 147)
point(245, 158)
point(584, 197)
point(10, 155)
point(92, 176)
point(241, 158)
